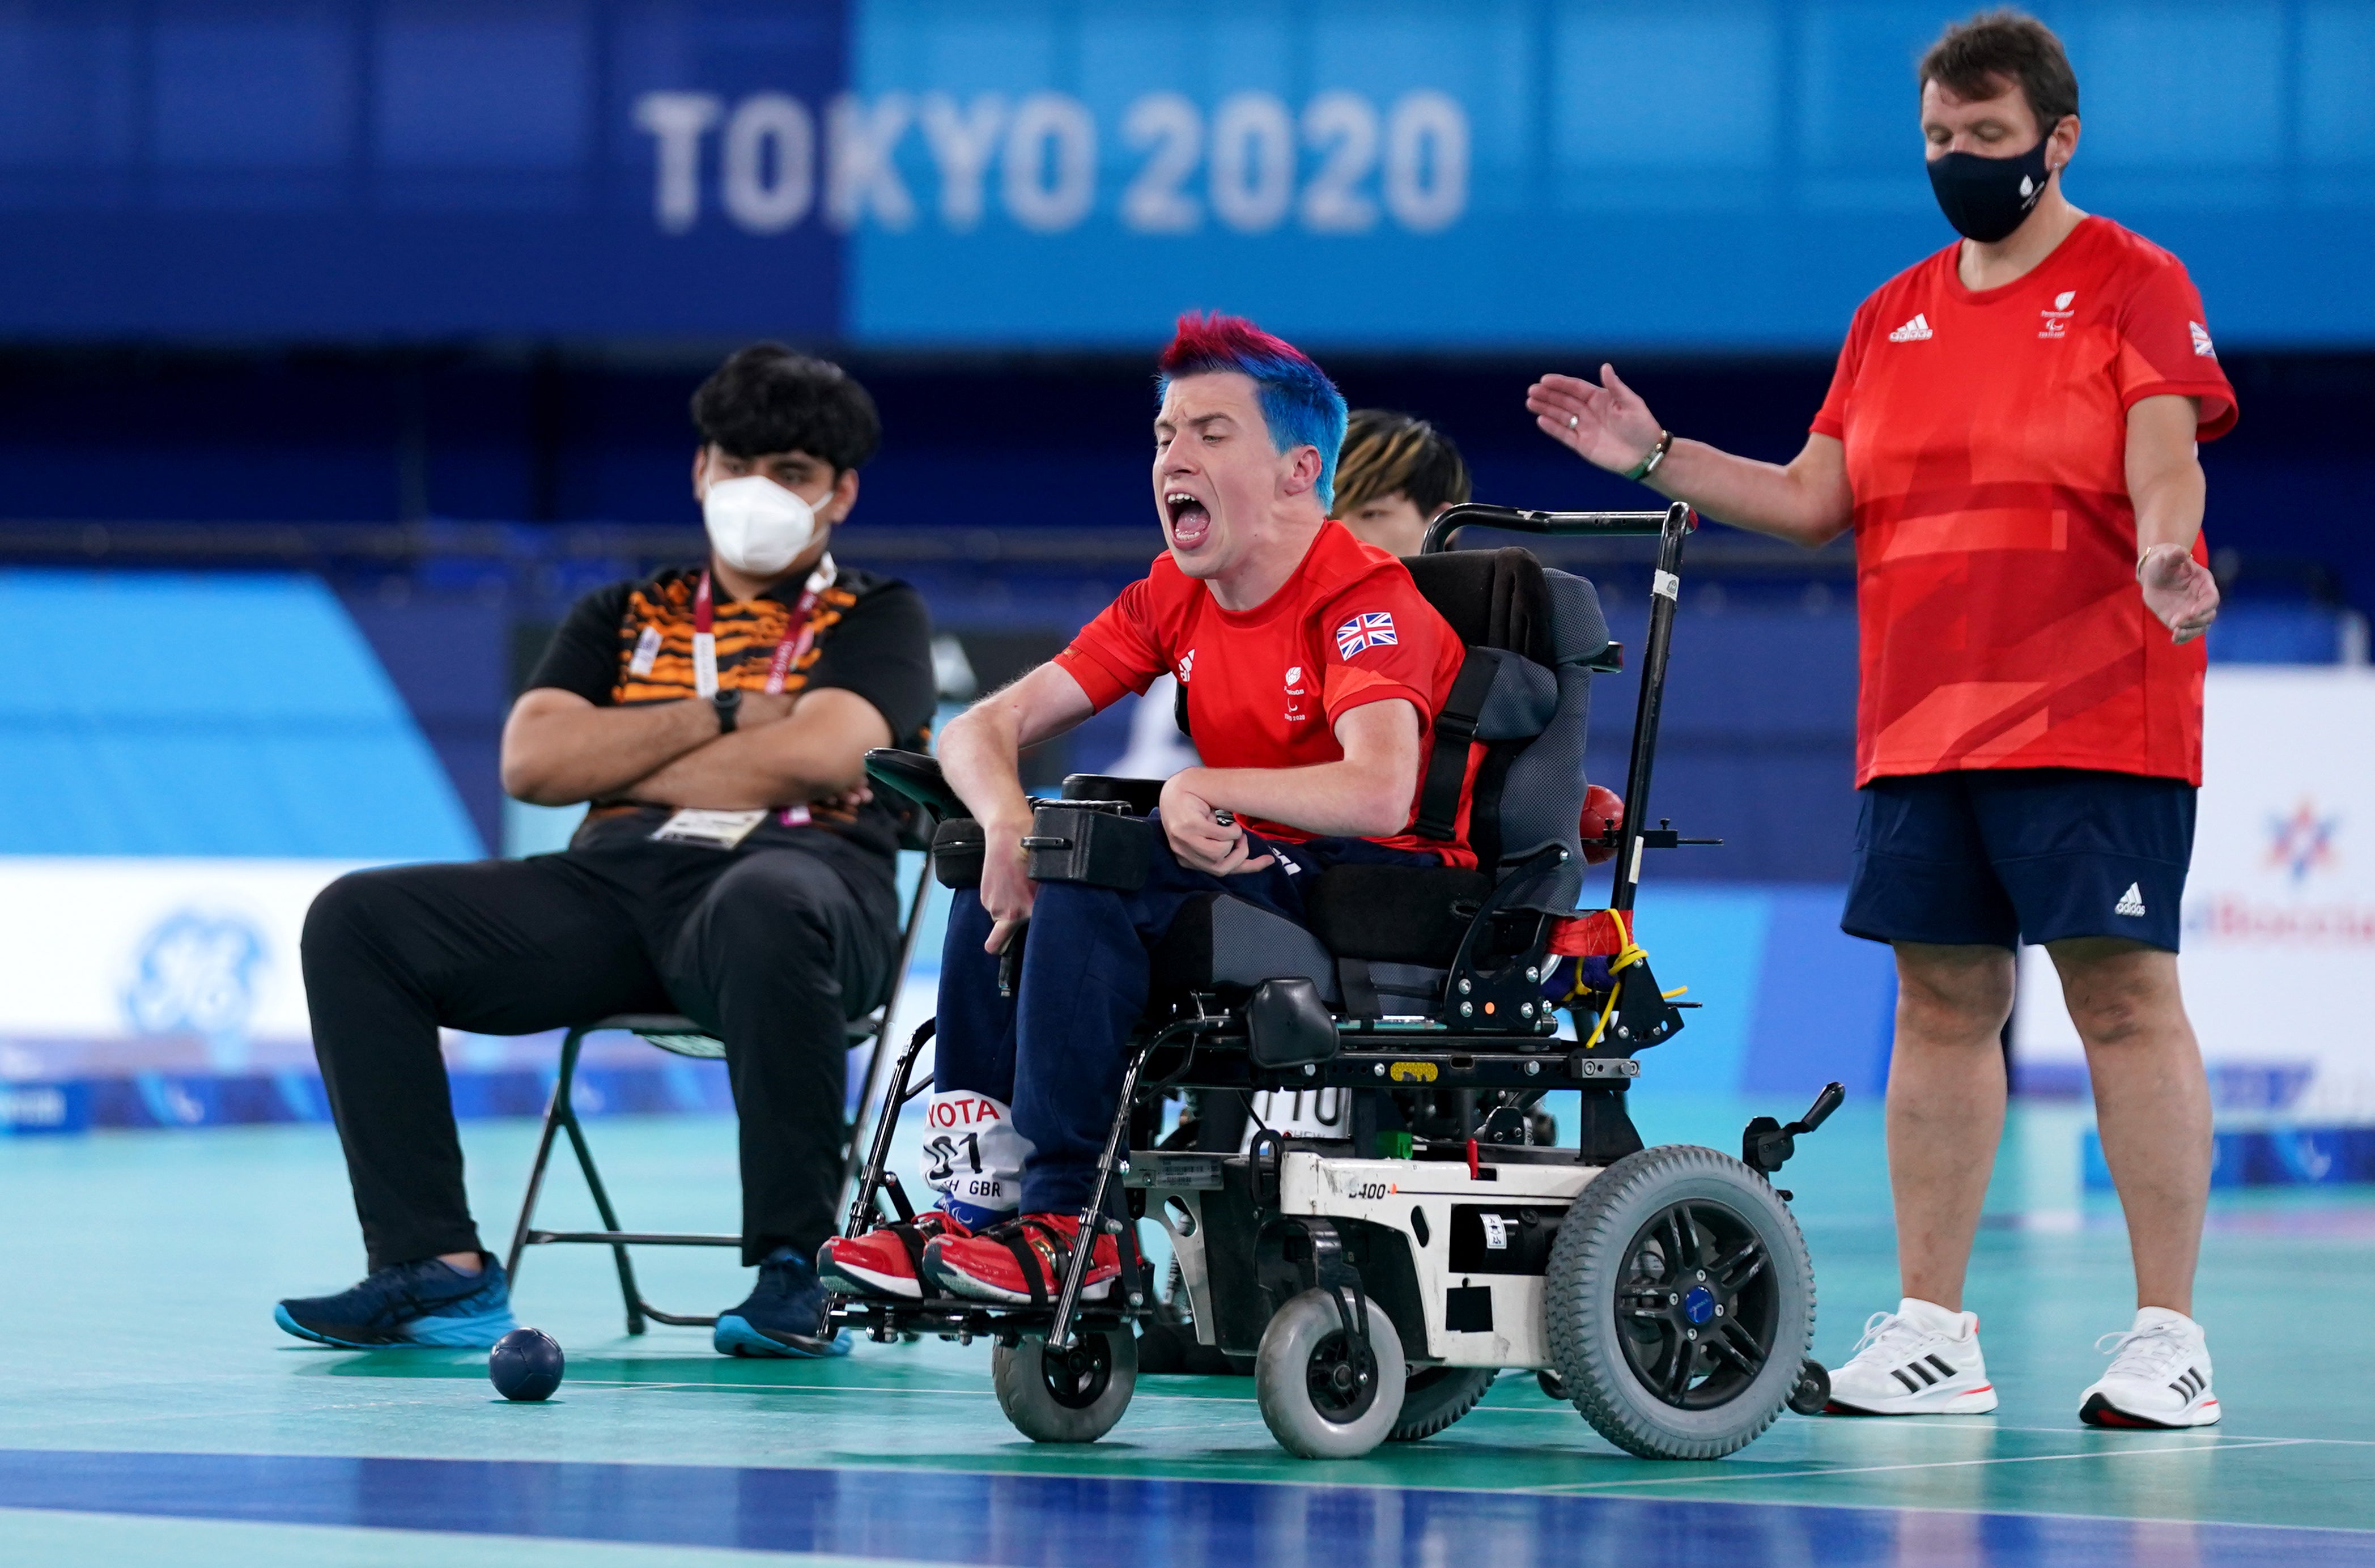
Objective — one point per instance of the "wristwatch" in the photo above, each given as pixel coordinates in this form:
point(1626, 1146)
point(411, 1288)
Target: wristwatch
point(729, 709)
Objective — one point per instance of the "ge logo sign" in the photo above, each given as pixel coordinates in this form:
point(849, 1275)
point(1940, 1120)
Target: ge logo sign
point(195, 974)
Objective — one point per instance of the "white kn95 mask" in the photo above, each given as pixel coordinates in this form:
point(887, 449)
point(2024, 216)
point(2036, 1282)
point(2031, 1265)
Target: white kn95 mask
point(756, 525)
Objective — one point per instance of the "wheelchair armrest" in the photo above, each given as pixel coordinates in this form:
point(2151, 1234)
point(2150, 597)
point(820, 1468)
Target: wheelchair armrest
point(1092, 842)
point(914, 776)
point(1142, 795)
point(958, 849)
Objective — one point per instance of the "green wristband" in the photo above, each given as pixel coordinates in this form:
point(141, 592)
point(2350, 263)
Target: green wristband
point(1648, 465)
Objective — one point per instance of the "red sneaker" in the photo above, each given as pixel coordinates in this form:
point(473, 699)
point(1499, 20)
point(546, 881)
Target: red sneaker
point(1021, 1263)
point(887, 1260)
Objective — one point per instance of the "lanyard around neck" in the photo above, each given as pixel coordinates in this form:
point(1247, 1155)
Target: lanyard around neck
point(799, 632)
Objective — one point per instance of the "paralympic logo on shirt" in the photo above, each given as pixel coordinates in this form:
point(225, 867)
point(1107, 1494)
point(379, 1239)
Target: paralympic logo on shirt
point(1372, 631)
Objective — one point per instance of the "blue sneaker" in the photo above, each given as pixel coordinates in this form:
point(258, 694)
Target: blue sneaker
point(427, 1302)
point(783, 1317)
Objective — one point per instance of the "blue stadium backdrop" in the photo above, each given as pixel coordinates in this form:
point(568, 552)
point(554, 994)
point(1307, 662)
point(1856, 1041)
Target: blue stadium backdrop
point(940, 172)
point(950, 192)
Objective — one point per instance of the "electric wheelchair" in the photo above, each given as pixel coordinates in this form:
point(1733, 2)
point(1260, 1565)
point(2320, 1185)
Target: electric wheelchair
point(1381, 1278)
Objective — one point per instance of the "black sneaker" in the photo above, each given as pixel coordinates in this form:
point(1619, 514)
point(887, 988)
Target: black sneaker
point(427, 1302)
point(783, 1317)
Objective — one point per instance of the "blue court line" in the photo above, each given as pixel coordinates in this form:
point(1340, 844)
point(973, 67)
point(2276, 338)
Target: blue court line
point(1028, 1521)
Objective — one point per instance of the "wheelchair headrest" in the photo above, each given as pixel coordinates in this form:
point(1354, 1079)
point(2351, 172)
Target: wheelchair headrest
point(1493, 598)
point(1578, 627)
point(1505, 599)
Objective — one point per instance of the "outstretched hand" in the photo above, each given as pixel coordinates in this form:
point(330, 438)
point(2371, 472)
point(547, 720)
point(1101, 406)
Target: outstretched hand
point(2179, 590)
point(1607, 425)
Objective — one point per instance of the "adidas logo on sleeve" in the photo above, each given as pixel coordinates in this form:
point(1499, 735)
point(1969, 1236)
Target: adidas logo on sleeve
point(2131, 902)
point(1915, 331)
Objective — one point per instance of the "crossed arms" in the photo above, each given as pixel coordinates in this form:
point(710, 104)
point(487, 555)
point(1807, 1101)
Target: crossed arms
point(789, 748)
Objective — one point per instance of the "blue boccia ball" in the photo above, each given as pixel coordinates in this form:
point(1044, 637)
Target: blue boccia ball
point(526, 1365)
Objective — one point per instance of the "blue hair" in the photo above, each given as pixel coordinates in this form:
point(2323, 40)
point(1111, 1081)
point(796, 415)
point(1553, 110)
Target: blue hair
point(1299, 403)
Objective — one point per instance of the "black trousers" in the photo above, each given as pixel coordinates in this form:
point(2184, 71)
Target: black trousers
point(773, 950)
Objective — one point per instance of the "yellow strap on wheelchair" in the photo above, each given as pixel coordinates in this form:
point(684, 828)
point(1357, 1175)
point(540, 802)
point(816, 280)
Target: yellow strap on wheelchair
point(1631, 953)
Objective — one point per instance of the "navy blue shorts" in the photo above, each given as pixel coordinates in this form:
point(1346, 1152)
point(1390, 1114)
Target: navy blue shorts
point(2024, 854)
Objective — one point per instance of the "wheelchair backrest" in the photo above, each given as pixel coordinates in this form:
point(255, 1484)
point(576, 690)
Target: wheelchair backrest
point(1531, 633)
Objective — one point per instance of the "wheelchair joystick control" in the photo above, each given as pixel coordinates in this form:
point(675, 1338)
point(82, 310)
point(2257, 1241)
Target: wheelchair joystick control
point(1766, 1145)
point(1010, 961)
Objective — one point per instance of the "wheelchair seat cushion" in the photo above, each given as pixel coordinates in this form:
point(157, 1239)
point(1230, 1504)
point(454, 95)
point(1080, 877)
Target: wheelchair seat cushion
point(1395, 913)
point(1220, 943)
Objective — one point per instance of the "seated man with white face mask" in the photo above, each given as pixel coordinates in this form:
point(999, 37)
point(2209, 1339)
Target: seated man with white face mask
point(731, 867)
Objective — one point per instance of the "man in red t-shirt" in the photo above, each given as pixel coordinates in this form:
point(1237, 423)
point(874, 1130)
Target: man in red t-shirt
point(1314, 669)
point(2011, 436)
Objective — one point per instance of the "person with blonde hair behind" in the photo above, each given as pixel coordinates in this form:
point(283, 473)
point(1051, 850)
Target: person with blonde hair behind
point(1394, 476)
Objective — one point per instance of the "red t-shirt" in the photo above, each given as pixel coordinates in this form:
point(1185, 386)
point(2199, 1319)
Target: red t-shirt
point(1986, 436)
point(1266, 686)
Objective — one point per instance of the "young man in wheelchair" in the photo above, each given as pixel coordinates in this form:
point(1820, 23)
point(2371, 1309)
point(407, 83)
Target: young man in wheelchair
point(1314, 670)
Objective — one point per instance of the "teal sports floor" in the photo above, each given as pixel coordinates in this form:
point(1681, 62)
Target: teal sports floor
point(150, 1412)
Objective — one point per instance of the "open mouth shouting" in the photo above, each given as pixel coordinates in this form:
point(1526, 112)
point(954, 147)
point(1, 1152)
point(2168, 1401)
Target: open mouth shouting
point(1190, 519)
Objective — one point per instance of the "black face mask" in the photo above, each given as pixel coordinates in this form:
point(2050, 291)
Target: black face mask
point(1987, 199)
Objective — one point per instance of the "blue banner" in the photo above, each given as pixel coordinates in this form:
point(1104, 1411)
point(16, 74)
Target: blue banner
point(931, 173)
point(348, 170)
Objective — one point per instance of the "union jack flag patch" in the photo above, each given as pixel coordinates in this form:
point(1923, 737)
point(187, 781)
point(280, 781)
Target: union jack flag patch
point(1372, 631)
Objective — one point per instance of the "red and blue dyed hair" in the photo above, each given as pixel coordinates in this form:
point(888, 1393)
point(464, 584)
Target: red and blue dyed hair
point(1299, 403)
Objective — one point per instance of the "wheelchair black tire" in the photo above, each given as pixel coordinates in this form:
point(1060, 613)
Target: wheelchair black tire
point(1598, 1243)
point(1435, 1397)
point(1307, 1332)
point(1028, 1395)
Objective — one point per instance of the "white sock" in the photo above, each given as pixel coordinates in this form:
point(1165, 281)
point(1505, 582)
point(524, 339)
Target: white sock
point(1929, 1315)
point(2149, 1317)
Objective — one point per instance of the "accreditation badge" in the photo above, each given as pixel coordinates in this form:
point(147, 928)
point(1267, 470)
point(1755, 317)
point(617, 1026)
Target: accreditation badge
point(718, 829)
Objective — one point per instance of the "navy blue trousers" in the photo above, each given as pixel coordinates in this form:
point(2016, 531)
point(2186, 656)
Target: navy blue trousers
point(1054, 1051)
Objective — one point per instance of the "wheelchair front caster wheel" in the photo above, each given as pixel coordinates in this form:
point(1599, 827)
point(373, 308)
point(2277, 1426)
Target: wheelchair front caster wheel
point(1323, 1395)
point(1073, 1395)
point(1812, 1391)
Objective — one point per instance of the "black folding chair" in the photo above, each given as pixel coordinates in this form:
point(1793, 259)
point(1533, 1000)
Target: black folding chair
point(680, 1036)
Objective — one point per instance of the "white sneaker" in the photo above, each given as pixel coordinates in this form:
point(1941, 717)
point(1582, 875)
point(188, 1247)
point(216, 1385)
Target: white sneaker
point(2160, 1377)
point(1918, 1360)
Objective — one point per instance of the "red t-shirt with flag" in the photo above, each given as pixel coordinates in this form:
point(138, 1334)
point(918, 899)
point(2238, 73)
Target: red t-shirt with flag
point(1266, 686)
point(1986, 436)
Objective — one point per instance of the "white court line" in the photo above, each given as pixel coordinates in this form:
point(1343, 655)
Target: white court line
point(1931, 1423)
point(1564, 1487)
point(1934, 1424)
point(266, 1410)
point(827, 1388)
point(1972, 1423)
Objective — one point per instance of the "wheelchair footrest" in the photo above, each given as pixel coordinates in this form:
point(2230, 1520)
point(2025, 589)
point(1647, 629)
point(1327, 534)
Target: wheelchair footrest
point(627, 1238)
point(956, 1317)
